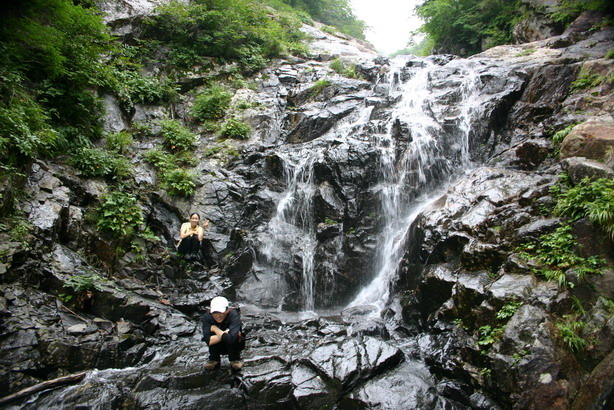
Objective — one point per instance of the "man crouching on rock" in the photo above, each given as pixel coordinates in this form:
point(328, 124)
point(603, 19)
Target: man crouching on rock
point(222, 330)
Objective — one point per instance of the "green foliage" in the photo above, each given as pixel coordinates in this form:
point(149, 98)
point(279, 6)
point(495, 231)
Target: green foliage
point(141, 129)
point(610, 54)
point(119, 141)
point(571, 330)
point(423, 48)
point(131, 87)
point(329, 30)
point(49, 64)
point(489, 334)
point(508, 310)
point(97, 162)
point(179, 182)
point(119, 214)
point(519, 356)
point(464, 26)
point(175, 180)
point(235, 128)
point(592, 199)
point(336, 13)
point(318, 87)
point(224, 151)
point(587, 79)
point(211, 104)
point(176, 136)
point(526, 52)
point(568, 10)
point(231, 30)
point(555, 253)
point(84, 282)
point(338, 66)
point(18, 229)
point(559, 136)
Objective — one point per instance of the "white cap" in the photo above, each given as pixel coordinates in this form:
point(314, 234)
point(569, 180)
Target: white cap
point(219, 304)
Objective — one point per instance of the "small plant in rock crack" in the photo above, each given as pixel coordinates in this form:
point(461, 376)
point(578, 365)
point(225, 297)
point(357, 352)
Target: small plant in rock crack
point(508, 310)
point(570, 330)
point(519, 356)
point(489, 334)
point(85, 282)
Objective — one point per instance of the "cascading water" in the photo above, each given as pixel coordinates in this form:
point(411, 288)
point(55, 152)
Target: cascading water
point(292, 226)
point(421, 139)
point(422, 169)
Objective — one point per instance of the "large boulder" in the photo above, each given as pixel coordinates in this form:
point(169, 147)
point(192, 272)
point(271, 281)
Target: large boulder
point(591, 139)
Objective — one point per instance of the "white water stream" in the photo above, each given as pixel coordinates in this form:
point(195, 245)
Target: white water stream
point(410, 173)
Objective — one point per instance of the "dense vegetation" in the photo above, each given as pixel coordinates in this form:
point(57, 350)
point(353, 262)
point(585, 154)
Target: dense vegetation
point(467, 27)
point(336, 13)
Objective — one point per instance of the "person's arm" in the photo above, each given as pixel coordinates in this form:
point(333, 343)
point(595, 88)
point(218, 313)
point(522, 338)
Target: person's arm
point(216, 335)
point(234, 324)
point(184, 231)
point(201, 233)
point(206, 319)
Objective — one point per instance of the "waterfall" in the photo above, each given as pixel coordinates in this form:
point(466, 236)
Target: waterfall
point(292, 225)
point(421, 138)
point(425, 167)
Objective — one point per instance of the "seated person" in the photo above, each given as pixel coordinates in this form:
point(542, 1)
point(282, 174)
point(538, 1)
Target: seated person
point(191, 235)
point(222, 332)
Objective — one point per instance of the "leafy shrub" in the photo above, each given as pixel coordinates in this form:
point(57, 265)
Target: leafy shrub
point(119, 141)
point(211, 104)
point(224, 151)
point(231, 30)
point(25, 131)
point(50, 59)
point(175, 180)
point(141, 129)
point(119, 214)
point(559, 136)
point(489, 334)
point(131, 87)
point(592, 199)
point(462, 27)
point(97, 162)
point(235, 128)
point(568, 10)
point(329, 30)
point(85, 282)
point(335, 13)
point(176, 136)
point(179, 182)
point(555, 253)
point(610, 54)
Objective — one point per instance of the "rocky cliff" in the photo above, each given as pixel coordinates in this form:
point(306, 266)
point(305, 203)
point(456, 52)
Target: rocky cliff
point(373, 230)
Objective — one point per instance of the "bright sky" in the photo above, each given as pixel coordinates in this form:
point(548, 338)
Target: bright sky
point(390, 22)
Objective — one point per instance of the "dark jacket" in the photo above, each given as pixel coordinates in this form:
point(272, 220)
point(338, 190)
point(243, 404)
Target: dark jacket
point(232, 322)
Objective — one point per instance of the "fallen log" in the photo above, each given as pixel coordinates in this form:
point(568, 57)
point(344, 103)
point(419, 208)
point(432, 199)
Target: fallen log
point(49, 384)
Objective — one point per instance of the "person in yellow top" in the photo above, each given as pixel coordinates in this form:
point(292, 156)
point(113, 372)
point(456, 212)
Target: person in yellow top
point(191, 235)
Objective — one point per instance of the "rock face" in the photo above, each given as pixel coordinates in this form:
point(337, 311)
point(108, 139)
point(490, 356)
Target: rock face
point(536, 25)
point(593, 139)
point(394, 205)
